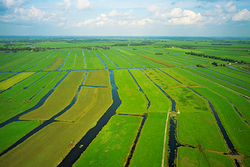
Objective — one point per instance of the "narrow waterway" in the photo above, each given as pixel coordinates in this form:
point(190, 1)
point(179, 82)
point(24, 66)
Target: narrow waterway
point(172, 100)
point(39, 104)
point(82, 145)
point(45, 123)
point(145, 115)
point(140, 89)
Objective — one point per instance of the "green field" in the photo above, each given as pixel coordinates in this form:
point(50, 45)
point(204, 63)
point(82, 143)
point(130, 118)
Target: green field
point(114, 141)
point(133, 101)
point(116, 92)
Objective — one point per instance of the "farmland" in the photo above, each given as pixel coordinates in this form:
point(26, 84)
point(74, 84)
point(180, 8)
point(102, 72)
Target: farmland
point(164, 102)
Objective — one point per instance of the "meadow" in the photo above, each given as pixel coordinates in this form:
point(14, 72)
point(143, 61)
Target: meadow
point(142, 101)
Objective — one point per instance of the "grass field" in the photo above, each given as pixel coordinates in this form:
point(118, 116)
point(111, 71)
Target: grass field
point(133, 101)
point(238, 131)
point(115, 141)
point(13, 80)
point(98, 78)
point(12, 132)
point(62, 96)
point(195, 157)
point(149, 150)
point(159, 102)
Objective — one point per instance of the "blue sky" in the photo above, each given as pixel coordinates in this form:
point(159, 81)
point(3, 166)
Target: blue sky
point(125, 18)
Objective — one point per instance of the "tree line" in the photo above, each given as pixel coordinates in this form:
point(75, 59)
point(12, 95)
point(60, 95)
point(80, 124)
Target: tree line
point(215, 57)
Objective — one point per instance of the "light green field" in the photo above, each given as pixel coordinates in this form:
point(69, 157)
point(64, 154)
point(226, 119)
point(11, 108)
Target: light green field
point(159, 102)
point(227, 85)
point(160, 78)
point(193, 157)
point(106, 60)
point(50, 144)
point(133, 101)
point(12, 132)
point(62, 96)
point(149, 149)
point(240, 102)
point(179, 77)
point(13, 80)
point(85, 101)
point(187, 101)
point(26, 94)
point(6, 75)
point(237, 129)
point(55, 65)
point(97, 78)
point(115, 141)
point(207, 134)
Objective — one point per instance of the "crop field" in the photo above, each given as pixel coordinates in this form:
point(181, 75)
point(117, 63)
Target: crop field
point(125, 102)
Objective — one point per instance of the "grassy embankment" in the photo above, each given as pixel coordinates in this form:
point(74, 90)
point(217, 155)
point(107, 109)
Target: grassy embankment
point(161, 79)
point(12, 58)
point(164, 57)
point(29, 63)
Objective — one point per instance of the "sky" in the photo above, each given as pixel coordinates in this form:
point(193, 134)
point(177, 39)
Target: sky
point(207, 18)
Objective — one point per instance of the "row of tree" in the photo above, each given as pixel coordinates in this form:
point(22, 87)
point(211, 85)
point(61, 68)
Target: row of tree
point(216, 57)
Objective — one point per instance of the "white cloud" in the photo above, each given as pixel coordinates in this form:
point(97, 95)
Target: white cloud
point(68, 4)
point(60, 24)
point(83, 4)
point(229, 7)
point(29, 15)
point(153, 8)
point(115, 13)
point(122, 23)
point(185, 17)
point(140, 22)
point(13, 3)
point(85, 23)
point(243, 15)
